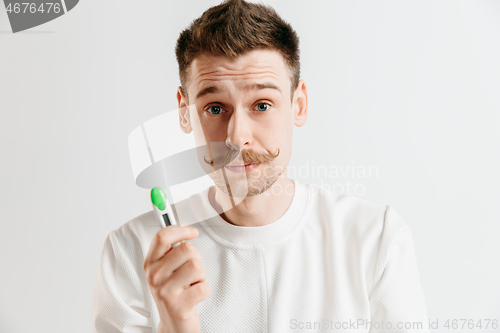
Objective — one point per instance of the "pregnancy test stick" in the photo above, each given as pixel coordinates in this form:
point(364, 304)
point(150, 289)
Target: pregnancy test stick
point(162, 209)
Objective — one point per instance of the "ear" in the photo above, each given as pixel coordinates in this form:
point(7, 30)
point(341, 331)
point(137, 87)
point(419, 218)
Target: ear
point(184, 118)
point(299, 104)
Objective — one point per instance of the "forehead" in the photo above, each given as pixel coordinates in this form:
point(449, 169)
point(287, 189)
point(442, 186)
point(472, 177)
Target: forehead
point(255, 65)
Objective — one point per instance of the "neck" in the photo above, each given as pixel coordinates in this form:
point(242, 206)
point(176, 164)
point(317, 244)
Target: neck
point(257, 210)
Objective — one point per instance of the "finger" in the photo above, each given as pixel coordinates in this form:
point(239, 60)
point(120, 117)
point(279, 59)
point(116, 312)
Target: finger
point(194, 294)
point(162, 269)
point(189, 273)
point(163, 240)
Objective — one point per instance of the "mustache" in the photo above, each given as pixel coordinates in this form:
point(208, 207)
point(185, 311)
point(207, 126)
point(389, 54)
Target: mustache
point(248, 155)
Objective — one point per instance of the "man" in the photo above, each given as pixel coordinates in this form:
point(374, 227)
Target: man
point(289, 257)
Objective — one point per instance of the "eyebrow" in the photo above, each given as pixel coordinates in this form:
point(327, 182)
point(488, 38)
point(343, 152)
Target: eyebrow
point(255, 86)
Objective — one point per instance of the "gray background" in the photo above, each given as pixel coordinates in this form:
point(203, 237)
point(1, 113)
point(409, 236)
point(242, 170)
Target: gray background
point(410, 87)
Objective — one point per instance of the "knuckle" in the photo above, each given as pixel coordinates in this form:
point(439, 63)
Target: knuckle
point(207, 289)
point(155, 280)
point(190, 249)
point(196, 264)
point(204, 290)
point(195, 231)
point(160, 237)
point(152, 279)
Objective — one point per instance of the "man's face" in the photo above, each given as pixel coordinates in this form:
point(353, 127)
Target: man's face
point(246, 102)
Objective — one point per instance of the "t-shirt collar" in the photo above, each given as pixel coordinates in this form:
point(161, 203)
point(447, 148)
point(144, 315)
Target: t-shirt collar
point(226, 232)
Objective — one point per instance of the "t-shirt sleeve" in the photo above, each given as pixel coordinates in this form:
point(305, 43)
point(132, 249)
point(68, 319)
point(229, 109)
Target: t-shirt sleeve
point(397, 302)
point(119, 303)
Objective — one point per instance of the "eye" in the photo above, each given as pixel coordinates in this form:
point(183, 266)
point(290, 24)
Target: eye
point(262, 107)
point(215, 109)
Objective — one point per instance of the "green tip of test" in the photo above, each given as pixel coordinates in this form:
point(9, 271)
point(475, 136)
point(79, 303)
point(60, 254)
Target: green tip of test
point(158, 198)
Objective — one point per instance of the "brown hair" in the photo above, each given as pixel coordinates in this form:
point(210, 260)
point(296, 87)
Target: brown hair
point(234, 28)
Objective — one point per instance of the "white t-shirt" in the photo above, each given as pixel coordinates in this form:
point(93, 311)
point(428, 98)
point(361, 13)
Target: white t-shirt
point(331, 263)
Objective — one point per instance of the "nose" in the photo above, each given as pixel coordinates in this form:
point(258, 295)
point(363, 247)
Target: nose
point(238, 130)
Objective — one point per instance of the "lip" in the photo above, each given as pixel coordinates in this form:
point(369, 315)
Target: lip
point(248, 167)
